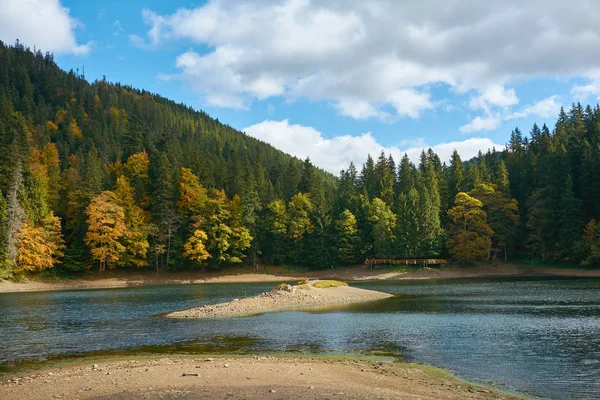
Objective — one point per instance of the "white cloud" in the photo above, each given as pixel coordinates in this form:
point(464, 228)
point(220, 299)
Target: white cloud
point(359, 109)
point(45, 24)
point(408, 102)
point(481, 124)
point(547, 108)
point(362, 56)
point(494, 96)
point(584, 92)
point(336, 154)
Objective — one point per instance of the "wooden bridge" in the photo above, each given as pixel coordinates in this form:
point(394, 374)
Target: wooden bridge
point(371, 262)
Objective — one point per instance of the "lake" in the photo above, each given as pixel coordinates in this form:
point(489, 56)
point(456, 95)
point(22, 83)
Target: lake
point(539, 337)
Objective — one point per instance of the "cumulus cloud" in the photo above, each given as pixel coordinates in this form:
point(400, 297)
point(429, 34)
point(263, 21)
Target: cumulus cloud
point(364, 56)
point(584, 92)
point(46, 25)
point(494, 96)
point(546, 108)
point(336, 154)
point(481, 124)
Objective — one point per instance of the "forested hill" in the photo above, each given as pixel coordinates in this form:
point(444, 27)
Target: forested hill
point(46, 112)
point(105, 176)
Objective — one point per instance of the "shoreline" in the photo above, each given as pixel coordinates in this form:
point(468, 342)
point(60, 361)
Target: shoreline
point(288, 298)
point(187, 377)
point(123, 279)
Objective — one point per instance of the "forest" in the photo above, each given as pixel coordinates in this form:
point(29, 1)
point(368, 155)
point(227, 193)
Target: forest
point(96, 176)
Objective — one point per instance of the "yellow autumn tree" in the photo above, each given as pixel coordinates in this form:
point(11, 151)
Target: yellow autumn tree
point(195, 247)
point(39, 247)
point(135, 238)
point(106, 228)
point(192, 195)
point(469, 234)
point(75, 129)
point(136, 170)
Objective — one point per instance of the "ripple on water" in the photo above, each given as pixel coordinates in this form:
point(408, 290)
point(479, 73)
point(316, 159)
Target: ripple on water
point(538, 336)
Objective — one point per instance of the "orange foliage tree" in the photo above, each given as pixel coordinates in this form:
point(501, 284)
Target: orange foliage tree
point(39, 247)
point(106, 227)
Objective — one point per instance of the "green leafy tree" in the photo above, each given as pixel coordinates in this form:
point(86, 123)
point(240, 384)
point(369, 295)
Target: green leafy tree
point(502, 215)
point(383, 221)
point(469, 234)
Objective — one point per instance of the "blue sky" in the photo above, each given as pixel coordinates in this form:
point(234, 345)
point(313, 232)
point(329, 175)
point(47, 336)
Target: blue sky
point(339, 79)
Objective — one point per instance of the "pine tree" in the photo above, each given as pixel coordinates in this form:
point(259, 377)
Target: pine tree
point(164, 214)
point(502, 178)
point(6, 266)
point(408, 224)
point(385, 180)
point(430, 229)
point(455, 177)
point(368, 180)
point(407, 175)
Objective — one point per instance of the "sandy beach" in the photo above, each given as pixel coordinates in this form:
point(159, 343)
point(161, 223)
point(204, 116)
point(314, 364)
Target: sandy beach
point(242, 377)
point(286, 298)
point(120, 279)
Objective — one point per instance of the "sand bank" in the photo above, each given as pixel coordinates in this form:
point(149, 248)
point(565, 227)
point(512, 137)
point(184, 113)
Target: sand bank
point(247, 378)
point(286, 298)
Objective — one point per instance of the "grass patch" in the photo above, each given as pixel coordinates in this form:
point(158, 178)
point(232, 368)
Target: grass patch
point(303, 282)
point(328, 284)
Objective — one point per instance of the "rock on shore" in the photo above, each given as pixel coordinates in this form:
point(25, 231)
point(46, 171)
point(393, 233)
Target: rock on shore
point(281, 299)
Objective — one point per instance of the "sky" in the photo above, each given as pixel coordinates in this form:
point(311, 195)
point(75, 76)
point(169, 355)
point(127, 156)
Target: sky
point(336, 80)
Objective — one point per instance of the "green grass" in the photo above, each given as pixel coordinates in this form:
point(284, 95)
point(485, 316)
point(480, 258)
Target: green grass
point(328, 284)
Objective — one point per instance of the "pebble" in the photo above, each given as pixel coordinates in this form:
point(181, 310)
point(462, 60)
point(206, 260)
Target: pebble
point(191, 374)
point(272, 391)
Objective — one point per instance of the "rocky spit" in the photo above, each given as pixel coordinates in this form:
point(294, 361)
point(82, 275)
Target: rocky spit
point(285, 298)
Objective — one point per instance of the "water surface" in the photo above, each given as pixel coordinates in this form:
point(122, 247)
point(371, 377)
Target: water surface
point(534, 336)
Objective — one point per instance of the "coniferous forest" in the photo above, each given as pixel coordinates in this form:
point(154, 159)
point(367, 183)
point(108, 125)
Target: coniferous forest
point(101, 176)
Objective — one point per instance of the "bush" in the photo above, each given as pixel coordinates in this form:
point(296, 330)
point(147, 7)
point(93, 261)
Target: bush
point(328, 284)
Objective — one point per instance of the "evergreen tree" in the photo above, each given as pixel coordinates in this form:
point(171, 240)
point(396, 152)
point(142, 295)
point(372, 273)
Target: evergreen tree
point(348, 239)
point(455, 177)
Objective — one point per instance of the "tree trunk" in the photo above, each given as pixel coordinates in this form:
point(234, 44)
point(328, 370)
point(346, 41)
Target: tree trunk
point(15, 213)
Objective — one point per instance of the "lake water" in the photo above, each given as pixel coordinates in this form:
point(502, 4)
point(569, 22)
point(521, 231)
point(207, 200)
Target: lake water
point(539, 337)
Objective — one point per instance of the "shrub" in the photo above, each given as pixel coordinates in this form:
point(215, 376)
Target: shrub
point(328, 284)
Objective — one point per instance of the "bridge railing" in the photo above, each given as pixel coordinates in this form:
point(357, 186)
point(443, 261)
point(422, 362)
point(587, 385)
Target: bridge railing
point(405, 261)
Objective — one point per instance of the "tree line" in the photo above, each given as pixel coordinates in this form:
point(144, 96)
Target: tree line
point(105, 176)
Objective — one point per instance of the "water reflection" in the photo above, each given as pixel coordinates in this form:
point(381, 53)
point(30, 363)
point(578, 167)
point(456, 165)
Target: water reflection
point(541, 336)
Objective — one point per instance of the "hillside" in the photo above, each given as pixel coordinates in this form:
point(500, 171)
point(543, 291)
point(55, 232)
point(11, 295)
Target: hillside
point(101, 176)
point(91, 127)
